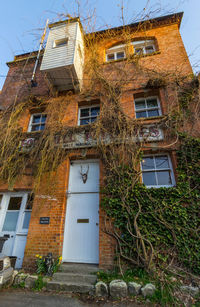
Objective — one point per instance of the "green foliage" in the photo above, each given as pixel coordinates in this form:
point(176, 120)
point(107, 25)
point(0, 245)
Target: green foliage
point(42, 268)
point(39, 283)
point(169, 217)
point(136, 274)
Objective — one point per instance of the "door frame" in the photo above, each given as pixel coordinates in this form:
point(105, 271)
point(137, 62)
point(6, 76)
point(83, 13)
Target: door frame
point(19, 232)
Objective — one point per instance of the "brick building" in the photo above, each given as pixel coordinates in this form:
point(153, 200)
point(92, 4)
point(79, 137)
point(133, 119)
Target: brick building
point(70, 222)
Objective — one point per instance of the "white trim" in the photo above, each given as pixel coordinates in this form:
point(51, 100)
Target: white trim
point(154, 170)
point(148, 108)
point(86, 107)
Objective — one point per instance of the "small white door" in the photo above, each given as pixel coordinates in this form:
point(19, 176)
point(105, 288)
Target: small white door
point(81, 236)
point(15, 212)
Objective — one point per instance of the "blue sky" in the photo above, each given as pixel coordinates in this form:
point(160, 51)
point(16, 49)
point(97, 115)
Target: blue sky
point(22, 21)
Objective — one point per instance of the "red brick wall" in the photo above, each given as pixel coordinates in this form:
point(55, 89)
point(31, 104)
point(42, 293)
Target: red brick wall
point(49, 238)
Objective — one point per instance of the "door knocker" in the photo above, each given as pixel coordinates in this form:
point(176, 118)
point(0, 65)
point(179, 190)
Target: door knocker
point(84, 175)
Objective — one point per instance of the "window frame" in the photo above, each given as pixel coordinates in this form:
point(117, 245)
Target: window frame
point(155, 170)
point(86, 107)
point(61, 42)
point(146, 109)
point(115, 50)
point(143, 44)
point(32, 124)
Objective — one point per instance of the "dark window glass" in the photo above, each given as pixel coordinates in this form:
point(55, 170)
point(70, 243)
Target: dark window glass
point(138, 50)
point(14, 203)
point(95, 111)
point(152, 113)
point(120, 55)
point(84, 121)
point(43, 118)
point(162, 162)
point(149, 49)
point(140, 105)
point(164, 178)
point(84, 112)
point(110, 57)
point(42, 127)
point(148, 163)
point(141, 114)
point(151, 103)
point(36, 119)
point(149, 178)
point(29, 203)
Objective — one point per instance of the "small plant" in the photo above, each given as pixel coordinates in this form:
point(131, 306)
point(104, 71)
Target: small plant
point(45, 267)
point(39, 283)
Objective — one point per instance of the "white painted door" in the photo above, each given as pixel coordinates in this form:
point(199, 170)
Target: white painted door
point(15, 214)
point(81, 236)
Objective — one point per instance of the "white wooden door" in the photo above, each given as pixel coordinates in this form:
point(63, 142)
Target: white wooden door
point(81, 236)
point(15, 215)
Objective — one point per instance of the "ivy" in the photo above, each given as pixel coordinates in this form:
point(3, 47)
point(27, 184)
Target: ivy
point(169, 217)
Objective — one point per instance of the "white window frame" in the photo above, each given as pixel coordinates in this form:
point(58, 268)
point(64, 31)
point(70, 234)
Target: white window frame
point(115, 50)
point(142, 45)
point(31, 122)
point(60, 42)
point(164, 169)
point(86, 107)
point(146, 107)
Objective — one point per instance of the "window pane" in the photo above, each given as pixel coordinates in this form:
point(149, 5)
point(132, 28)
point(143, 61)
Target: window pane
point(36, 118)
point(84, 112)
point(140, 105)
point(152, 103)
point(84, 121)
point(162, 162)
point(141, 114)
point(35, 128)
point(149, 178)
point(110, 56)
point(92, 120)
point(30, 200)
point(95, 111)
point(148, 163)
point(149, 49)
point(164, 178)
point(138, 50)
point(27, 216)
point(10, 222)
point(153, 113)
point(120, 55)
point(44, 117)
point(42, 127)
point(14, 203)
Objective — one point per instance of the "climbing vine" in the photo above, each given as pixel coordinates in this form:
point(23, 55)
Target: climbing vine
point(153, 228)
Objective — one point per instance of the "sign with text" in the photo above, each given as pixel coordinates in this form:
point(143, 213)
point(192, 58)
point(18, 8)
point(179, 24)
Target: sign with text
point(45, 220)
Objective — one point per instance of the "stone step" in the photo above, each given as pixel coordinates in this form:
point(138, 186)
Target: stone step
point(79, 268)
point(71, 277)
point(70, 287)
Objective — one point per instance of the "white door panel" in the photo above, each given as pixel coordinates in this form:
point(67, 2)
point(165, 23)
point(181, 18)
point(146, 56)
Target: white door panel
point(81, 237)
point(76, 183)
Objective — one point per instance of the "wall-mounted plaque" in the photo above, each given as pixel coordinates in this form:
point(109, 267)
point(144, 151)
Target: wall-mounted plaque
point(45, 220)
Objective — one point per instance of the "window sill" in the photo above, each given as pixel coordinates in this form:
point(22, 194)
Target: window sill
point(160, 186)
point(132, 57)
point(138, 56)
point(150, 118)
point(114, 61)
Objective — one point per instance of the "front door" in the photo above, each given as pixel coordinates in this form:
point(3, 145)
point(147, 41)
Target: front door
point(15, 215)
point(81, 236)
